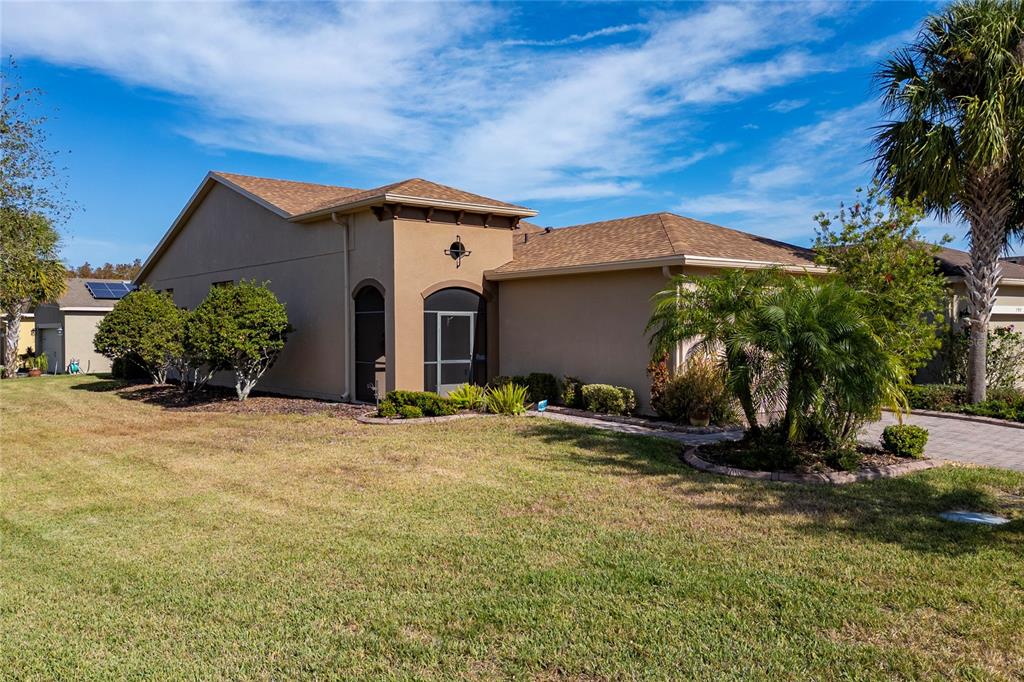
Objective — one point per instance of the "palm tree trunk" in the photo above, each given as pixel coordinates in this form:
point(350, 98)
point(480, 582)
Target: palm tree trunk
point(11, 335)
point(987, 206)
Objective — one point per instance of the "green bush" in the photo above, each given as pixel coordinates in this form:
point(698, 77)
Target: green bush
point(430, 404)
point(467, 397)
point(42, 363)
point(387, 410)
point(1010, 410)
point(507, 398)
point(572, 392)
point(937, 397)
point(542, 386)
point(145, 327)
point(905, 440)
point(129, 368)
point(410, 412)
point(608, 399)
point(846, 459)
point(700, 385)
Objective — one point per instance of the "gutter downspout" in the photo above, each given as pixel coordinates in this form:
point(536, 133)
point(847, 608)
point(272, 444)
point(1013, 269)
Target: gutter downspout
point(347, 395)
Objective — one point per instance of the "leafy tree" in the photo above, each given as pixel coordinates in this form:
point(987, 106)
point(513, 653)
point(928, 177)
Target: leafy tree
point(30, 273)
point(957, 141)
point(876, 247)
point(711, 312)
point(144, 327)
point(242, 328)
point(31, 202)
point(127, 271)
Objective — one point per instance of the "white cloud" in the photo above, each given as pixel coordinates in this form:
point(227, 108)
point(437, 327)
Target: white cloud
point(425, 88)
point(810, 169)
point(576, 37)
point(784, 106)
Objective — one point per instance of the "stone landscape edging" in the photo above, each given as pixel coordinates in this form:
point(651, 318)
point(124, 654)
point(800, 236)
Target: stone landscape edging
point(831, 478)
point(420, 420)
point(968, 418)
point(639, 421)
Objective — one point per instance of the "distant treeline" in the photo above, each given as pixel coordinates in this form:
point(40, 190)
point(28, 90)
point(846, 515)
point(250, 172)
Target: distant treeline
point(107, 270)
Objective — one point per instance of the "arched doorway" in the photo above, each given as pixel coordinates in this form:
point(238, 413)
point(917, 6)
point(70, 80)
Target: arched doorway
point(370, 360)
point(454, 340)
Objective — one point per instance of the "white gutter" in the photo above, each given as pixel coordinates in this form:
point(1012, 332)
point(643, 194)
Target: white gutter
point(347, 395)
point(636, 264)
point(85, 309)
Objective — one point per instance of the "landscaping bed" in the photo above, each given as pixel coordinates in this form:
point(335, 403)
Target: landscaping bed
point(805, 462)
point(224, 400)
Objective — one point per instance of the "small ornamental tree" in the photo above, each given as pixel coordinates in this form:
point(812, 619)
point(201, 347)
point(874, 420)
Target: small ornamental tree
point(242, 328)
point(875, 247)
point(144, 327)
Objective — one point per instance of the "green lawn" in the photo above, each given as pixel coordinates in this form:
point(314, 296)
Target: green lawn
point(138, 541)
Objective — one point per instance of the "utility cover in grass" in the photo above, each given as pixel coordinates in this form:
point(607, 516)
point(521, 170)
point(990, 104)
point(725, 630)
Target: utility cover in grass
point(974, 517)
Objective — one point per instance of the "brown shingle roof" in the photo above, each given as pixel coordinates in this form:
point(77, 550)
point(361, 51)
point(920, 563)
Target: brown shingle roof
point(953, 261)
point(77, 296)
point(299, 198)
point(291, 197)
point(655, 235)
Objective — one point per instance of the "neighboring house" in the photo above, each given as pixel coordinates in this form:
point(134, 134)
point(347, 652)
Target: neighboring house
point(1009, 308)
point(65, 328)
point(26, 332)
point(417, 285)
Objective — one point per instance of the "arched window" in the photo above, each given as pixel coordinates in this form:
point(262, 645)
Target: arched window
point(454, 340)
point(370, 344)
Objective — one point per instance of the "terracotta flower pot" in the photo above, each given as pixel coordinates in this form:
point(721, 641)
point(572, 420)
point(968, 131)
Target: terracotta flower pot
point(35, 372)
point(700, 417)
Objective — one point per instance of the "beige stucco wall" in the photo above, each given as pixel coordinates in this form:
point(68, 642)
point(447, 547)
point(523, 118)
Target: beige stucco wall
point(589, 325)
point(229, 237)
point(79, 330)
point(419, 265)
point(1008, 296)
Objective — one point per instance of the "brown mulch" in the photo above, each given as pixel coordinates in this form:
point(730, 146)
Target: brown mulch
point(223, 400)
point(808, 460)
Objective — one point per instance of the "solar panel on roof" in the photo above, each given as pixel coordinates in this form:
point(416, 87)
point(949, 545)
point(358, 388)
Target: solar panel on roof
point(109, 290)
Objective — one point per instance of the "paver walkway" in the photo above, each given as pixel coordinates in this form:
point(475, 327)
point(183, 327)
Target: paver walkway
point(685, 438)
point(976, 442)
point(986, 444)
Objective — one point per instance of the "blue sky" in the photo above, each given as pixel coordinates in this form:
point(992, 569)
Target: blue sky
point(753, 115)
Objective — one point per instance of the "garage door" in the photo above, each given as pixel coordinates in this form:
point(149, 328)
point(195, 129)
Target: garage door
point(50, 342)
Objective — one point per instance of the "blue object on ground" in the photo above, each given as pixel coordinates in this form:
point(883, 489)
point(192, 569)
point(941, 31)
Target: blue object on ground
point(973, 517)
point(542, 405)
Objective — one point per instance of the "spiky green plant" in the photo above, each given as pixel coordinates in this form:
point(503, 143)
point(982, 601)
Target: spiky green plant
point(468, 397)
point(507, 398)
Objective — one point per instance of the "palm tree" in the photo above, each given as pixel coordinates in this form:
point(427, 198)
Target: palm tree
point(957, 139)
point(711, 311)
point(835, 371)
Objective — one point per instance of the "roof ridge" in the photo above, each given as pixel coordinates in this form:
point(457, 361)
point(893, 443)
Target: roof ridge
point(228, 175)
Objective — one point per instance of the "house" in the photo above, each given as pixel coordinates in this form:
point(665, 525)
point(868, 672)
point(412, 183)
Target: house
point(26, 331)
point(1009, 307)
point(65, 327)
point(416, 285)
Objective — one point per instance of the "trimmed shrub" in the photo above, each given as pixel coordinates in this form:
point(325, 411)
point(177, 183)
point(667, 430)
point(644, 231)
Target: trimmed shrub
point(938, 397)
point(508, 398)
point(905, 440)
point(387, 409)
point(467, 397)
point(542, 386)
point(144, 327)
point(1011, 410)
point(410, 412)
point(699, 386)
point(430, 404)
point(572, 392)
point(846, 459)
point(129, 368)
point(608, 399)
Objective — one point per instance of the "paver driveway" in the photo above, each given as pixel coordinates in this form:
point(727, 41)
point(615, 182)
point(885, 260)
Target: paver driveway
point(965, 441)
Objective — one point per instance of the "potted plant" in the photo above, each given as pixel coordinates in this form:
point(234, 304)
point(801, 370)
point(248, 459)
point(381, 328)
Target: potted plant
point(37, 365)
point(700, 415)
